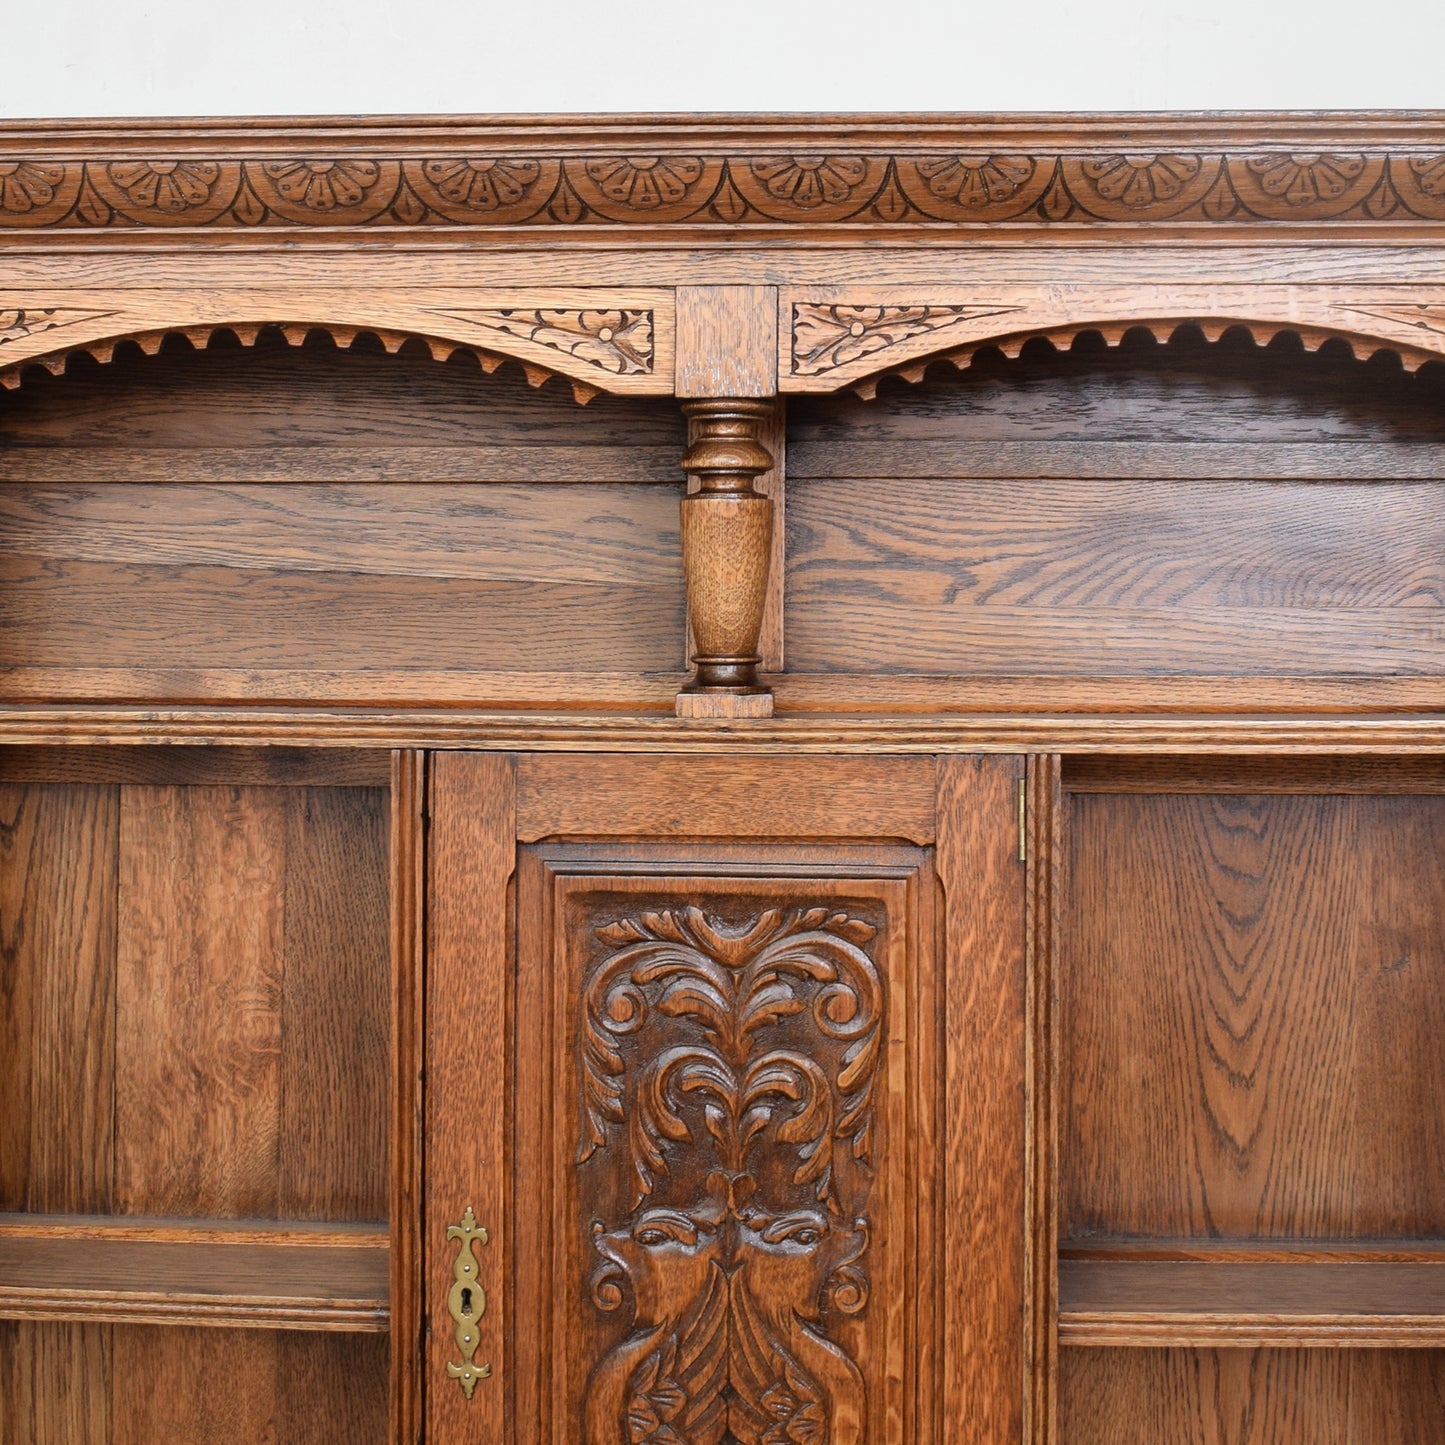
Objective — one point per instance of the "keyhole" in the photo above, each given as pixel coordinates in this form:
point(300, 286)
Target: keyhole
point(466, 1301)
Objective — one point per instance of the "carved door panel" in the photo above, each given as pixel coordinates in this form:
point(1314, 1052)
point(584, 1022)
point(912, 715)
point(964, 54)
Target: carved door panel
point(691, 1052)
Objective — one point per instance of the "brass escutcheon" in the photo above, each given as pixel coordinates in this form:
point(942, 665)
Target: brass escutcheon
point(466, 1303)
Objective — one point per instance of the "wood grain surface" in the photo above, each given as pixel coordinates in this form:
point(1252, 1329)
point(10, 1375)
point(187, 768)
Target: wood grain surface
point(1250, 998)
point(985, 1050)
point(58, 876)
point(819, 797)
point(470, 860)
point(225, 1120)
point(339, 504)
point(1320, 1303)
point(1135, 513)
point(234, 937)
point(1252, 1397)
point(291, 1285)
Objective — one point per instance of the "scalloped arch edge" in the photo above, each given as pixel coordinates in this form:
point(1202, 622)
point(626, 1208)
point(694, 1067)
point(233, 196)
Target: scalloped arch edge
point(1213, 329)
point(200, 336)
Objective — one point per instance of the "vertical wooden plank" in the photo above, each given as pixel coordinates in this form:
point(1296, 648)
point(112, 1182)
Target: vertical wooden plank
point(198, 1080)
point(408, 1054)
point(54, 1383)
point(985, 1187)
point(57, 980)
point(470, 864)
point(198, 1040)
point(1044, 823)
point(194, 1386)
point(331, 1389)
point(58, 846)
point(334, 1057)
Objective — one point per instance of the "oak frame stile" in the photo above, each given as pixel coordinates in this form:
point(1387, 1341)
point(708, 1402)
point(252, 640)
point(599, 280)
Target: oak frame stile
point(743, 781)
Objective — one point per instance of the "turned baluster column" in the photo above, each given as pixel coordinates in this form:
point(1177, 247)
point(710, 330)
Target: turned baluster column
point(727, 532)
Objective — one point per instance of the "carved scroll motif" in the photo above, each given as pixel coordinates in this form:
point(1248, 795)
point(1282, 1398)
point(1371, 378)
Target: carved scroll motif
point(729, 1071)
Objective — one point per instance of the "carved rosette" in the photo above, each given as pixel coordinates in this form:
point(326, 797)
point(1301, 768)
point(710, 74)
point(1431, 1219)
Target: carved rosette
point(728, 1070)
point(810, 187)
point(1127, 187)
point(641, 188)
point(979, 188)
point(353, 191)
point(1282, 187)
point(157, 192)
point(479, 190)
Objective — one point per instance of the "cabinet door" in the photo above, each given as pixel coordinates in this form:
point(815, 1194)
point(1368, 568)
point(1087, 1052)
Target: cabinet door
point(726, 1055)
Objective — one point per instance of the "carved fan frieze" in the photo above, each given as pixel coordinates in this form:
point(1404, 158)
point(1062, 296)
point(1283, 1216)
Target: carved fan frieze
point(623, 183)
point(729, 1067)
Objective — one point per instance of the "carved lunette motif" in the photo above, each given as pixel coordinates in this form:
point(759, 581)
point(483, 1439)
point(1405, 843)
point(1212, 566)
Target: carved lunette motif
point(726, 1072)
point(899, 188)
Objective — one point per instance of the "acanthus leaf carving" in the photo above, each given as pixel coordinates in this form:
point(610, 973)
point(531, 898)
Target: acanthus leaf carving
point(618, 341)
point(724, 1065)
point(826, 337)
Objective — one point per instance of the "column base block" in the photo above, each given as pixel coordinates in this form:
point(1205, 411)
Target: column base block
point(725, 703)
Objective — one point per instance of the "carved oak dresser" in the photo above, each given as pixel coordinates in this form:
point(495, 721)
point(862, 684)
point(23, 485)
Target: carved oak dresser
point(773, 781)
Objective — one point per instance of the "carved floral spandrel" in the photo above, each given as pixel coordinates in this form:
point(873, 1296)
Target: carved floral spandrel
point(826, 337)
point(618, 341)
point(718, 191)
point(728, 1070)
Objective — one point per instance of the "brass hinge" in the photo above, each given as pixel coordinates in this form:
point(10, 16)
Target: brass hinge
point(1023, 821)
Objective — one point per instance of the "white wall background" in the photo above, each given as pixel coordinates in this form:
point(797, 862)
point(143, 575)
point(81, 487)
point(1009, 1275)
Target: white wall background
point(240, 57)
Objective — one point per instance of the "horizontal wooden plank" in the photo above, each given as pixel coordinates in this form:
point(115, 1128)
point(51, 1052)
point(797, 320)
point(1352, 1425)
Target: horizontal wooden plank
point(651, 691)
point(608, 534)
point(228, 396)
point(567, 729)
point(1186, 1304)
point(558, 797)
point(1149, 393)
point(842, 455)
point(833, 634)
point(232, 617)
point(1254, 1251)
point(904, 693)
point(1112, 546)
point(203, 1281)
point(1196, 774)
point(279, 767)
point(273, 1233)
point(514, 461)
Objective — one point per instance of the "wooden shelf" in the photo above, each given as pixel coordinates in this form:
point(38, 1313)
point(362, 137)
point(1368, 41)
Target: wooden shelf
point(1357, 1294)
point(234, 1273)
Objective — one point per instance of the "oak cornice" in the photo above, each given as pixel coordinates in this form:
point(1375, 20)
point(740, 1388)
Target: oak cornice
point(731, 179)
